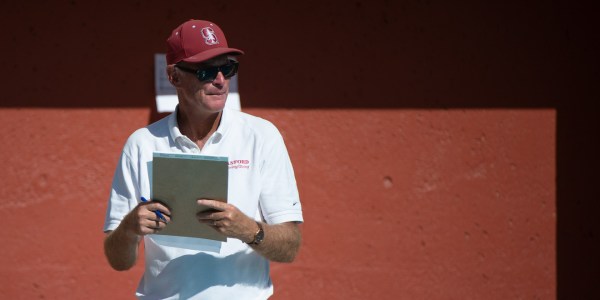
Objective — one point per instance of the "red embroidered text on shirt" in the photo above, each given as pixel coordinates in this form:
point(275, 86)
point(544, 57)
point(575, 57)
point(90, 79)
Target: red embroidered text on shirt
point(239, 164)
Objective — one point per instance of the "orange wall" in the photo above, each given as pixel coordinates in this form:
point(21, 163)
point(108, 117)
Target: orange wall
point(421, 203)
point(438, 147)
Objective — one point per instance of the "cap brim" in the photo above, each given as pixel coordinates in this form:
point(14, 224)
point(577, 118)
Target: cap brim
point(212, 53)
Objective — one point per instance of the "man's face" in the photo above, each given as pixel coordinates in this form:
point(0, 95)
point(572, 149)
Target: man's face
point(208, 95)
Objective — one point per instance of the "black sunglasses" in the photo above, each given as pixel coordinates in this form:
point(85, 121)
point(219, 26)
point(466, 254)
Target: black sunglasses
point(210, 73)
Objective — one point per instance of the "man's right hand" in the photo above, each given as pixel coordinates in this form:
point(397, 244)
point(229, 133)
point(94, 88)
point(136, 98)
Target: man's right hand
point(143, 220)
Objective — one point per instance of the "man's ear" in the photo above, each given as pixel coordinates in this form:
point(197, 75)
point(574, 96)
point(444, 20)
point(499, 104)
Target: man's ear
point(173, 75)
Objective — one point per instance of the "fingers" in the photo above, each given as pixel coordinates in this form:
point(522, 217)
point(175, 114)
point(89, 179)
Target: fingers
point(160, 210)
point(219, 223)
point(214, 204)
point(210, 220)
point(218, 216)
point(220, 220)
point(156, 206)
point(151, 224)
point(217, 211)
point(225, 218)
point(213, 215)
point(146, 218)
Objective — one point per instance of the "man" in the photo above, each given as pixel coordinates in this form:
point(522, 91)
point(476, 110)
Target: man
point(261, 217)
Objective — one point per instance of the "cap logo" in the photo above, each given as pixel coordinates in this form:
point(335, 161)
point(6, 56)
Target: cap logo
point(210, 38)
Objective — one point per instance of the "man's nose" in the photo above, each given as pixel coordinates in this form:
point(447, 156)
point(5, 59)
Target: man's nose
point(220, 79)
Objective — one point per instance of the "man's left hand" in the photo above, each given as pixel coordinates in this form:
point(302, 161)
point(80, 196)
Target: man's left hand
point(228, 220)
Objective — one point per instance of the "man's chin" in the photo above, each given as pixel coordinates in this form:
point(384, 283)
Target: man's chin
point(217, 104)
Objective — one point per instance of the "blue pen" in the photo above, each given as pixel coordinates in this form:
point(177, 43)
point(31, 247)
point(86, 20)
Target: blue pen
point(158, 214)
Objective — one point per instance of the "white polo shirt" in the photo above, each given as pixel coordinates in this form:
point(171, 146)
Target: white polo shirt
point(261, 185)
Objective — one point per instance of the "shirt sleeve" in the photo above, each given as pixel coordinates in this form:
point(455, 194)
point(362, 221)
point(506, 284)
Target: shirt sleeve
point(279, 198)
point(123, 195)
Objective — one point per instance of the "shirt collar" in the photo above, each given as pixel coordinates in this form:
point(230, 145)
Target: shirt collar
point(177, 136)
point(174, 127)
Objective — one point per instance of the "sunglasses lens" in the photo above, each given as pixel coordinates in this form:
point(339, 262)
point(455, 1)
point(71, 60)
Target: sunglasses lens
point(229, 70)
point(210, 74)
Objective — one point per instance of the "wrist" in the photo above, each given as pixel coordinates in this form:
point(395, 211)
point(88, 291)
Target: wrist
point(258, 235)
point(127, 229)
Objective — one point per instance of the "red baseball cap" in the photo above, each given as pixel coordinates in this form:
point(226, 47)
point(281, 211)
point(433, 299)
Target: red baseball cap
point(196, 41)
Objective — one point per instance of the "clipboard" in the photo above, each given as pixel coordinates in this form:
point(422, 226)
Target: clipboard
point(178, 180)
